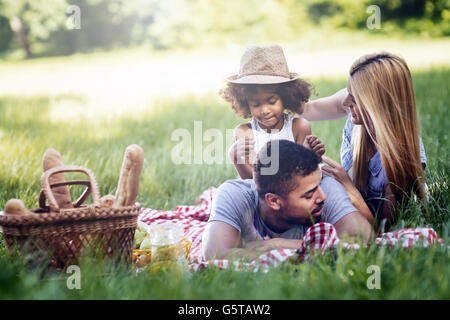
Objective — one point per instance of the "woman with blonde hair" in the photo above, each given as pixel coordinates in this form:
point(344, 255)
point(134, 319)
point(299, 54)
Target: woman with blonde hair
point(382, 154)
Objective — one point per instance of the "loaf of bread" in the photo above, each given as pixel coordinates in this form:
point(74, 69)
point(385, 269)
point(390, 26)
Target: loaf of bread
point(15, 206)
point(53, 159)
point(127, 189)
point(107, 201)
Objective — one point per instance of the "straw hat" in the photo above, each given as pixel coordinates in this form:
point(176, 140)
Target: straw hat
point(263, 65)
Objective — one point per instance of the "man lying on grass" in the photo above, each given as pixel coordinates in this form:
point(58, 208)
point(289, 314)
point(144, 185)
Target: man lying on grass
point(273, 211)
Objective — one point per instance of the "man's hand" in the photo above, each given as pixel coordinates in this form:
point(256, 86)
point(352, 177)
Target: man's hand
point(314, 143)
point(272, 244)
point(222, 241)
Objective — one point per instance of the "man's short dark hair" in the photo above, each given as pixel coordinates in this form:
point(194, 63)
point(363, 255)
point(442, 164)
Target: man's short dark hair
point(294, 160)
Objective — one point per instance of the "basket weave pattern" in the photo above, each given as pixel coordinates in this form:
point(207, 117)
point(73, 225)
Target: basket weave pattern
point(62, 235)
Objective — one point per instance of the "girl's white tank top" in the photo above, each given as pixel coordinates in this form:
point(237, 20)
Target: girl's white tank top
point(261, 136)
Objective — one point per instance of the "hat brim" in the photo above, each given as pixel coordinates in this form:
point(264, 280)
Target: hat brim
point(262, 79)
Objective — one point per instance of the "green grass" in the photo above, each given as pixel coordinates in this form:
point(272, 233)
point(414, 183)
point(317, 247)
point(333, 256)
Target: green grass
point(30, 125)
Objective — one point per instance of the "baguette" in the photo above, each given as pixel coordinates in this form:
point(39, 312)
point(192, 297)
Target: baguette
point(53, 159)
point(127, 189)
point(15, 206)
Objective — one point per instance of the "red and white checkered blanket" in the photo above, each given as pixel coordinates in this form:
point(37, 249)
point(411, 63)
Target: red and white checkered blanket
point(321, 236)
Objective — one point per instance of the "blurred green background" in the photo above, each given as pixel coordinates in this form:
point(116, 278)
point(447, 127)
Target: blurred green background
point(124, 54)
point(137, 70)
point(134, 71)
point(42, 28)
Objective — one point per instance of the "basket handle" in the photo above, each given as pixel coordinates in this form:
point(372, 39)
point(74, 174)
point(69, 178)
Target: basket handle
point(92, 186)
point(75, 204)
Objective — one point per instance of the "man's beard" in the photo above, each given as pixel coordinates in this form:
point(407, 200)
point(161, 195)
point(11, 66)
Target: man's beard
point(309, 220)
point(318, 208)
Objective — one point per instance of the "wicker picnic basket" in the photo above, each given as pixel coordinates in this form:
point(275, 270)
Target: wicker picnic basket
point(60, 236)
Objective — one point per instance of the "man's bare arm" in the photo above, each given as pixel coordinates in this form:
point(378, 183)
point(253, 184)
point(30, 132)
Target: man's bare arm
point(222, 241)
point(354, 225)
point(327, 108)
point(218, 239)
point(274, 243)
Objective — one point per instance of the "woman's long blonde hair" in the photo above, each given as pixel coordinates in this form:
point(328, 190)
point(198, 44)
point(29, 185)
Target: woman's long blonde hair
point(383, 90)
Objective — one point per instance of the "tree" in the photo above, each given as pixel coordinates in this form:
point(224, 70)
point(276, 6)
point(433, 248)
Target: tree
point(6, 33)
point(33, 20)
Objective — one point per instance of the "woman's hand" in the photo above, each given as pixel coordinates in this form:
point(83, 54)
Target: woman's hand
point(314, 143)
point(336, 171)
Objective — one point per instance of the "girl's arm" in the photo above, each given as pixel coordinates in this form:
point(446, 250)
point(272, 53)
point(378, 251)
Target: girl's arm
point(242, 153)
point(301, 130)
point(328, 108)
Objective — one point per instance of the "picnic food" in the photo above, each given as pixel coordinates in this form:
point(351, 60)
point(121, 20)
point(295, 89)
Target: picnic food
point(141, 258)
point(164, 243)
point(146, 244)
point(143, 255)
point(107, 201)
point(128, 185)
point(15, 206)
point(140, 234)
point(171, 252)
point(53, 159)
point(54, 236)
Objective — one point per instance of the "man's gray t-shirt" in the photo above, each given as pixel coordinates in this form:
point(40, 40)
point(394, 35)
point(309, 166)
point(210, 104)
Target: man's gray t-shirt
point(235, 202)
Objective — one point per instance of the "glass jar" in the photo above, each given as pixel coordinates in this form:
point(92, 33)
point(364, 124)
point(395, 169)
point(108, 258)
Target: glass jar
point(166, 243)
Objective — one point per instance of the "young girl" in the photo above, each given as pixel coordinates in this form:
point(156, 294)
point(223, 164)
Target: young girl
point(263, 90)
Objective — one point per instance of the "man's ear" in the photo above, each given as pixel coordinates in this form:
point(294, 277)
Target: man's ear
point(274, 201)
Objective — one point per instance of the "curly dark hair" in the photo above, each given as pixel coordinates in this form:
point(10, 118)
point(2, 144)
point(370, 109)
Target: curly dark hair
point(293, 95)
point(293, 159)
